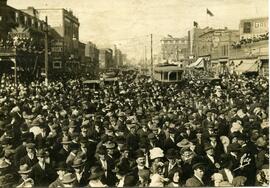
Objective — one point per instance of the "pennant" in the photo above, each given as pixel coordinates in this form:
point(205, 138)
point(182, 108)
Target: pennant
point(209, 12)
point(195, 24)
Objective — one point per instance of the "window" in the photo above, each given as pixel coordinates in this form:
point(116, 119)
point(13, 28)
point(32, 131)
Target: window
point(247, 27)
point(57, 64)
point(165, 76)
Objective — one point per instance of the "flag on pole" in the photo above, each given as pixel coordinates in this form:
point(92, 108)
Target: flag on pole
point(209, 12)
point(195, 24)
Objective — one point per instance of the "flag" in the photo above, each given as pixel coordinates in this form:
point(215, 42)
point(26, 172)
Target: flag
point(195, 24)
point(209, 12)
point(170, 36)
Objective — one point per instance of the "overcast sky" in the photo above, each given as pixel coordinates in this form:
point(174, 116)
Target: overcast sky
point(128, 23)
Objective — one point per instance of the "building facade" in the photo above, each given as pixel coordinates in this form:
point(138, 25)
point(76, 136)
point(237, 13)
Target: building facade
point(105, 59)
point(92, 59)
point(254, 27)
point(21, 41)
point(174, 49)
point(65, 46)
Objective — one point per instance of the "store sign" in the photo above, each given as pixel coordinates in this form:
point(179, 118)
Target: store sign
point(20, 32)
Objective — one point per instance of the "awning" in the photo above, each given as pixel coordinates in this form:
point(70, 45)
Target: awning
point(246, 65)
point(198, 63)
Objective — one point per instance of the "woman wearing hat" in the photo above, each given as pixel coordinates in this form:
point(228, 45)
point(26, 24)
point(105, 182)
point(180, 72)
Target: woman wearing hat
point(25, 180)
point(97, 173)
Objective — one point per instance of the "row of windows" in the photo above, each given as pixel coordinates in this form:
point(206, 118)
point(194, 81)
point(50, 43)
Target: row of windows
point(28, 21)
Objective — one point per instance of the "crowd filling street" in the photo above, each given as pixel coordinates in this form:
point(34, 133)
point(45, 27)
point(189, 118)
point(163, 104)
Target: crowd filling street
point(135, 132)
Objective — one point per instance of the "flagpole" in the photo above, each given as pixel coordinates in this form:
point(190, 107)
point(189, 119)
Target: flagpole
point(207, 19)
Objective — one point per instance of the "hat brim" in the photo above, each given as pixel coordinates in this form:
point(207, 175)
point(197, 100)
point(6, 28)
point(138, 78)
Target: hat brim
point(24, 171)
point(69, 181)
point(180, 145)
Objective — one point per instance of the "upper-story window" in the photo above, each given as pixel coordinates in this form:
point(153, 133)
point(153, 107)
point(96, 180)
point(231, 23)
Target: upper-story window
point(247, 27)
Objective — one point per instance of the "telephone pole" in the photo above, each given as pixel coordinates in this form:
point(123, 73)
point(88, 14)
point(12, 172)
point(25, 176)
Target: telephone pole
point(152, 55)
point(46, 51)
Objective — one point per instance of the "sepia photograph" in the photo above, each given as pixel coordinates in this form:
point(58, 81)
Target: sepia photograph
point(134, 93)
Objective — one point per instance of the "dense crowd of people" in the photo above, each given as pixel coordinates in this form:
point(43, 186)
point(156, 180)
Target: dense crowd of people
point(135, 132)
point(244, 41)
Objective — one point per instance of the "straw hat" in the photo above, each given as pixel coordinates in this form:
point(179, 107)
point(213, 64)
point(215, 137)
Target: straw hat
point(156, 153)
point(68, 178)
point(24, 169)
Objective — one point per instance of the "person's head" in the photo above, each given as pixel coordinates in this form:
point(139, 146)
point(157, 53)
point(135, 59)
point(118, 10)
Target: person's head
point(30, 148)
point(61, 169)
point(140, 158)
point(41, 156)
point(198, 170)
point(69, 180)
point(24, 171)
point(175, 176)
point(102, 153)
point(209, 149)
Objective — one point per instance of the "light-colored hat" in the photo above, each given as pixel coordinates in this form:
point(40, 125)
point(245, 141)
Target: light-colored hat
point(236, 127)
point(156, 153)
point(184, 143)
point(68, 178)
point(225, 140)
point(24, 169)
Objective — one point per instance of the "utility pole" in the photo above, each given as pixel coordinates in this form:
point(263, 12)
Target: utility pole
point(46, 51)
point(145, 56)
point(152, 55)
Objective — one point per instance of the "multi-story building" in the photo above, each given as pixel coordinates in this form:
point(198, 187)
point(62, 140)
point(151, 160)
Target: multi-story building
point(105, 59)
point(65, 45)
point(253, 27)
point(174, 49)
point(21, 41)
point(250, 53)
point(193, 42)
point(92, 59)
point(118, 59)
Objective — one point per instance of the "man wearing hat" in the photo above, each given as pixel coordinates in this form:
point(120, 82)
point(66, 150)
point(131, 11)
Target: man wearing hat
point(25, 180)
point(132, 138)
point(42, 173)
point(172, 164)
point(107, 165)
point(65, 149)
point(211, 162)
point(97, 174)
point(69, 180)
point(225, 166)
point(80, 171)
point(30, 158)
point(172, 140)
point(140, 160)
point(41, 138)
point(120, 172)
point(61, 170)
point(197, 179)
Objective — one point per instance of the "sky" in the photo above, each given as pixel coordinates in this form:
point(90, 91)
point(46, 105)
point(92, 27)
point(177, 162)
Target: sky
point(129, 23)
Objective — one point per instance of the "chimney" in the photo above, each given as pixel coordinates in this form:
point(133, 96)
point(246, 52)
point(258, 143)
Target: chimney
point(3, 2)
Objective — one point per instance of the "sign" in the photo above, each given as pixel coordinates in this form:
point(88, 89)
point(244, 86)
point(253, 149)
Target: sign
point(20, 32)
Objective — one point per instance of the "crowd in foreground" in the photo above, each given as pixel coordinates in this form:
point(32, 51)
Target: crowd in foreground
point(134, 133)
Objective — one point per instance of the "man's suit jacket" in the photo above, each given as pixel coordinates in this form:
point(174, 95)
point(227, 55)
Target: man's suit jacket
point(42, 177)
point(28, 161)
point(168, 172)
point(84, 179)
point(20, 152)
point(194, 182)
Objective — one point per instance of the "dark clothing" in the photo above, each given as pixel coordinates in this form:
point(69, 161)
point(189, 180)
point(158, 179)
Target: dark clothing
point(42, 177)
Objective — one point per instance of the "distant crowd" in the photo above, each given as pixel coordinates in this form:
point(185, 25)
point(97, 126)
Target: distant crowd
point(134, 132)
